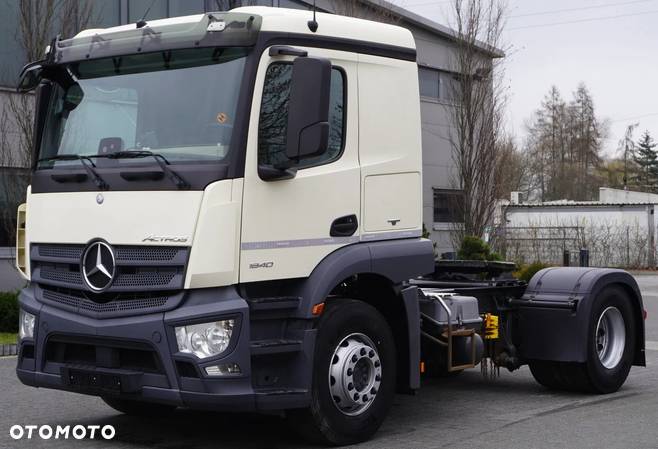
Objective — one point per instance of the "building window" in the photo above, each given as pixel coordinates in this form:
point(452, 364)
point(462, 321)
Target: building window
point(446, 206)
point(272, 127)
point(437, 84)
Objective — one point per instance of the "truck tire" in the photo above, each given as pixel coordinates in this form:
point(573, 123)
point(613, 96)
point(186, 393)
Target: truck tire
point(137, 408)
point(610, 350)
point(354, 375)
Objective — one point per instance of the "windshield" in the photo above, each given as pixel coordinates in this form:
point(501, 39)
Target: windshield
point(180, 104)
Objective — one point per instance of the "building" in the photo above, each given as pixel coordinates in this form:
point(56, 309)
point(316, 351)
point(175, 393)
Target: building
point(435, 49)
point(618, 230)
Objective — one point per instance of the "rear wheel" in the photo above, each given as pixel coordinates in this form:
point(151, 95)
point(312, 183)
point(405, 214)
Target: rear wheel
point(610, 349)
point(137, 408)
point(354, 372)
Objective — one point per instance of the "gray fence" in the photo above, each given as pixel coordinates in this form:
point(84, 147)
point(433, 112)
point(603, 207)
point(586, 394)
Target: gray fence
point(626, 246)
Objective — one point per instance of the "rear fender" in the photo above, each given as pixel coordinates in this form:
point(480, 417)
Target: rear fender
point(554, 313)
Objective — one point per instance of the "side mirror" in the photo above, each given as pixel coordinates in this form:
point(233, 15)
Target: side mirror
point(308, 109)
point(30, 76)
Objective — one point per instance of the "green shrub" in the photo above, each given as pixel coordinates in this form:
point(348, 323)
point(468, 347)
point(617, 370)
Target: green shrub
point(9, 312)
point(474, 248)
point(528, 271)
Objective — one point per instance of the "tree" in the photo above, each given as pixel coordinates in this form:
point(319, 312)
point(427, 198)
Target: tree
point(477, 116)
point(563, 147)
point(38, 22)
point(647, 160)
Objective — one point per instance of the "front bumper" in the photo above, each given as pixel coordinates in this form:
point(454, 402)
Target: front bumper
point(142, 353)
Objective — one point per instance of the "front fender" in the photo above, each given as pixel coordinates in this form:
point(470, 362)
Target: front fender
point(555, 311)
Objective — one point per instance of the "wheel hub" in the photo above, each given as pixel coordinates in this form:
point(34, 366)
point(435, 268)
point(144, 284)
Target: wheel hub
point(610, 337)
point(355, 374)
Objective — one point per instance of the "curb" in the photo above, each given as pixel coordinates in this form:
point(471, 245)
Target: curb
point(8, 350)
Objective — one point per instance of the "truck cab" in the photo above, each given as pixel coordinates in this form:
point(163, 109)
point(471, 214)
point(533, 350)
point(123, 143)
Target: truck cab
point(201, 186)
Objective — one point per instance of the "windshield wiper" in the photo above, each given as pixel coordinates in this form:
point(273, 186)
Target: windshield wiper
point(89, 168)
point(160, 159)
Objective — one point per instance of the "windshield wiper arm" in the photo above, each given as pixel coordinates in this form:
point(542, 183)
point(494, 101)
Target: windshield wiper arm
point(160, 159)
point(89, 168)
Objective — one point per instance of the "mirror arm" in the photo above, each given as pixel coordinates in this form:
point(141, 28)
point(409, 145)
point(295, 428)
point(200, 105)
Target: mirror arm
point(270, 173)
point(284, 50)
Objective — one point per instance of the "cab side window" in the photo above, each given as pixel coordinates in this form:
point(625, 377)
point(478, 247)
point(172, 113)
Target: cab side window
point(272, 128)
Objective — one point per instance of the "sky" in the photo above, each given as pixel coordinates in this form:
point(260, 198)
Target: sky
point(610, 45)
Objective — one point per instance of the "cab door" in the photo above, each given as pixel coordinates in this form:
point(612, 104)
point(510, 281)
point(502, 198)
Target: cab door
point(287, 224)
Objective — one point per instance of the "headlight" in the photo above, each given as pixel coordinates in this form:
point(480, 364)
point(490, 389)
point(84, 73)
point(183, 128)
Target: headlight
point(26, 324)
point(206, 339)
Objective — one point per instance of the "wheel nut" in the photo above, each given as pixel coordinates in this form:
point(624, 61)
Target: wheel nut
point(371, 354)
point(363, 351)
point(377, 363)
point(350, 371)
point(350, 386)
point(378, 378)
point(365, 398)
point(356, 396)
point(373, 391)
point(354, 358)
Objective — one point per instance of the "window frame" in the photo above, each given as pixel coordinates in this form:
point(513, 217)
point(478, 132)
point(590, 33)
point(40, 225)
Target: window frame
point(444, 97)
point(343, 74)
point(453, 194)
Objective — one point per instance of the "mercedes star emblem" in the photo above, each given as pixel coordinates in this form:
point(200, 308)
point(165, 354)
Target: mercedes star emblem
point(98, 266)
point(100, 198)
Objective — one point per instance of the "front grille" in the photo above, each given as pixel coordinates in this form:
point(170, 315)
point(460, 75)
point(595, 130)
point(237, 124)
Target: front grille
point(139, 268)
point(160, 254)
point(61, 251)
point(121, 303)
point(61, 276)
point(148, 278)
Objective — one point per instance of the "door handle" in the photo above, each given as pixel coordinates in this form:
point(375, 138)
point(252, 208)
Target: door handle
point(344, 226)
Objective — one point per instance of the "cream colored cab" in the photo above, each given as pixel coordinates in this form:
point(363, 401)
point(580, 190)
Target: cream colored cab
point(372, 171)
point(286, 223)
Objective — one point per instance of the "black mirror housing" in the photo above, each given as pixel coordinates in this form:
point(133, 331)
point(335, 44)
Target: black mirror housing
point(308, 109)
point(30, 76)
point(43, 94)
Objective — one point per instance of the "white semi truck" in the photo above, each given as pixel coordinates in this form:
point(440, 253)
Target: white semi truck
point(225, 213)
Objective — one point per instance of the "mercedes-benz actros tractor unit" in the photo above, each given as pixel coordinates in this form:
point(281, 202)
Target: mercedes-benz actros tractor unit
point(225, 213)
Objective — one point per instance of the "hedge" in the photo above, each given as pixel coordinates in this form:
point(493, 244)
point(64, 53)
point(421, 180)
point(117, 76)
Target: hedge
point(9, 312)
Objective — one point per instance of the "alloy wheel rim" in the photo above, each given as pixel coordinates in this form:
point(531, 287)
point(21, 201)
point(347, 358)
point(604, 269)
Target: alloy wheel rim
point(610, 337)
point(355, 374)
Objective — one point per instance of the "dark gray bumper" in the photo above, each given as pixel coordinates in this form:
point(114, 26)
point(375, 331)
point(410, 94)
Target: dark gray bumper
point(171, 378)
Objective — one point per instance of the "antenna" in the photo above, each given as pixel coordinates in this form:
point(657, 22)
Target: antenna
point(141, 23)
point(313, 24)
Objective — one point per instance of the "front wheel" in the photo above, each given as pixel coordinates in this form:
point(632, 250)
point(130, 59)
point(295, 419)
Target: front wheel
point(610, 349)
point(354, 371)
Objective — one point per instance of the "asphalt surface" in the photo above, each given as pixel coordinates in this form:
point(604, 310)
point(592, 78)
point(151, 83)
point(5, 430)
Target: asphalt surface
point(463, 412)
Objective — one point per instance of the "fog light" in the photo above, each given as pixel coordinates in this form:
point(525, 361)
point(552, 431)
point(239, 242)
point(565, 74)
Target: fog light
point(206, 339)
point(26, 324)
point(223, 370)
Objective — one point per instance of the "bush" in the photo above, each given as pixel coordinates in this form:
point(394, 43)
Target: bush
point(474, 248)
point(9, 312)
point(528, 271)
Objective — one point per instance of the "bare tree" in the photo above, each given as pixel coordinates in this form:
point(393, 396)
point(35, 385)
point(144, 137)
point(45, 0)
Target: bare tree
point(477, 114)
point(37, 25)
